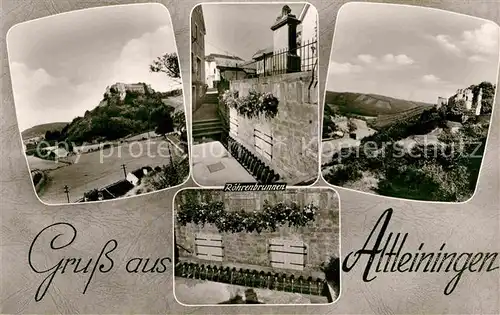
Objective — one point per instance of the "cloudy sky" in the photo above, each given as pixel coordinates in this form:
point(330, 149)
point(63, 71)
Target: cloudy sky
point(241, 29)
point(61, 65)
point(409, 52)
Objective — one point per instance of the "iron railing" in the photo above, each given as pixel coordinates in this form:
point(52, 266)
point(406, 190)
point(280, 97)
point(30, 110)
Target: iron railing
point(252, 278)
point(300, 59)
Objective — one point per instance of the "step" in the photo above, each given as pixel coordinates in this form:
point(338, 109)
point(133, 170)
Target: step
point(207, 125)
point(207, 122)
point(208, 129)
point(208, 133)
point(211, 100)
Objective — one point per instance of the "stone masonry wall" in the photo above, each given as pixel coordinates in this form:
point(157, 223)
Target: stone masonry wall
point(294, 129)
point(321, 236)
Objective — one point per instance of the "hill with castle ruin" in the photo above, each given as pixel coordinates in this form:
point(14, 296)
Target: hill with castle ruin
point(414, 153)
point(124, 110)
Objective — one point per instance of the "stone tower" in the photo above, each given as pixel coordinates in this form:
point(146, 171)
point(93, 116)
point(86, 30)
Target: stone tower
point(285, 40)
point(479, 102)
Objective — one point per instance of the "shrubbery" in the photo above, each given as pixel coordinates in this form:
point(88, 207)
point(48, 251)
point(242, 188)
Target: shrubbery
point(445, 171)
point(137, 113)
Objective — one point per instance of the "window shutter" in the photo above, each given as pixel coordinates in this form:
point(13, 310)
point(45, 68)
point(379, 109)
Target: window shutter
point(287, 254)
point(233, 122)
point(263, 141)
point(209, 247)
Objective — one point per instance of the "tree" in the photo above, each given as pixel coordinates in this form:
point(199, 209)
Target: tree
point(352, 126)
point(179, 119)
point(169, 64)
point(52, 135)
point(163, 120)
point(457, 109)
point(487, 97)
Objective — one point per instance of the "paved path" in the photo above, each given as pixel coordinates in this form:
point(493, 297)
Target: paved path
point(214, 166)
point(205, 111)
point(202, 292)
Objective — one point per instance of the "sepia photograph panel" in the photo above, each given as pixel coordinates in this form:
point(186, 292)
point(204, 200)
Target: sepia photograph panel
point(257, 247)
point(408, 103)
point(99, 103)
point(255, 93)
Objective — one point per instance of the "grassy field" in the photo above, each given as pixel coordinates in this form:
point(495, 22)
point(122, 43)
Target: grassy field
point(145, 135)
point(43, 165)
point(176, 102)
point(89, 172)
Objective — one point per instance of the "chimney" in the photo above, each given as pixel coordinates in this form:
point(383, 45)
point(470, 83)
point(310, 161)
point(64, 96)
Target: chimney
point(285, 40)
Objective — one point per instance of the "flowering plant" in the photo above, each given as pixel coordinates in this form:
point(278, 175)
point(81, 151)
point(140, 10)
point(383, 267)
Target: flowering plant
point(270, 218)
point(229, 98)
point(253, 104)
point(269, 104)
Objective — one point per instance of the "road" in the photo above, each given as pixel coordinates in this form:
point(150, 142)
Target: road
point(99, 169)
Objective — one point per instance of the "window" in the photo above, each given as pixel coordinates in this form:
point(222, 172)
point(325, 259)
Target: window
point(233, 122)
point(209, 246)
point(198, 66)
point(195, 32)
point(193, 63)
point(263, 141)
point(287, 254)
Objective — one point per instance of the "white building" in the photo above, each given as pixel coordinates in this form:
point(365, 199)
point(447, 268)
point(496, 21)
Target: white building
point(122, 88)
point(135, 177)
point(58, 152)
point(213, 61)
point(307, 36)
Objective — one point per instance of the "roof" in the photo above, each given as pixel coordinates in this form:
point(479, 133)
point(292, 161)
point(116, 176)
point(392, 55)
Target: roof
point(225, 61)
point(261, 52)
point(117, 189)
point(214, 56)
point(139, 173)
point(304, 11)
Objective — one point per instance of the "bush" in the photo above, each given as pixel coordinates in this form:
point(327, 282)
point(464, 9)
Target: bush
point(342, 174)
point(92, 195)
point(37, 178)
point(332, 270)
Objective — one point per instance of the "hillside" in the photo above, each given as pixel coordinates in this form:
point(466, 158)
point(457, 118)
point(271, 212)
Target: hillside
point(119, 115)
point(369, 104)
point(40, 130)
point(383, 121)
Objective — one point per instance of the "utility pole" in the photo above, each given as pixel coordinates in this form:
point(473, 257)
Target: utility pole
point(172, 166)
point(170, 155)
point(66, 190)
point(124, 170)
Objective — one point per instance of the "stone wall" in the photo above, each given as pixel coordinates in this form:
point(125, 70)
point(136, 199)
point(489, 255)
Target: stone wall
point(197, 52)
point(321, 236)
point(295, 129)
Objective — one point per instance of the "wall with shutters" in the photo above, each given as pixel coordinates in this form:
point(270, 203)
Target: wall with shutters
point(233, 122)
point(295, 129)
point(208, 246)
point(320, 239)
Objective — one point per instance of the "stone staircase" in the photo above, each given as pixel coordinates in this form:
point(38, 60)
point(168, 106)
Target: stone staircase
point(208, 128)
point(206, 125)
point(212, 97)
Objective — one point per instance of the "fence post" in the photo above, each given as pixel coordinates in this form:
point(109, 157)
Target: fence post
point(264, 62)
